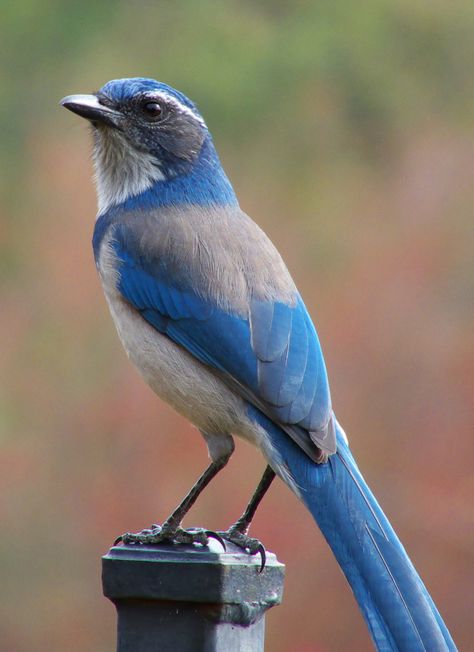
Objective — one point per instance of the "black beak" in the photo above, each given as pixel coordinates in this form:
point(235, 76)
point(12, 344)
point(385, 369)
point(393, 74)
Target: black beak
point(89, 107)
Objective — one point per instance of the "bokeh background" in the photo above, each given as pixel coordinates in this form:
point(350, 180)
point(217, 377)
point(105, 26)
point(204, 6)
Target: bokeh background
point(347, 130)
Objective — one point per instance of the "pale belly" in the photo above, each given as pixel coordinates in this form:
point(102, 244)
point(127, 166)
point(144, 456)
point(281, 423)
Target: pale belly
point(177, 377)
point(190, 387)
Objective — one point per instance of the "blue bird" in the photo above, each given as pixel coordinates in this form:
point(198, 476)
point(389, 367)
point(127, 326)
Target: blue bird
point(208, 312)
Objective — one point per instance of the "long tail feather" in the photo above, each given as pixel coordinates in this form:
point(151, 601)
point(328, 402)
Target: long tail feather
point(398, 609)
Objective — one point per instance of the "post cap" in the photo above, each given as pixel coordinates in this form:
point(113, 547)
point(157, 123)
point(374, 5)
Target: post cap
point(193, 573)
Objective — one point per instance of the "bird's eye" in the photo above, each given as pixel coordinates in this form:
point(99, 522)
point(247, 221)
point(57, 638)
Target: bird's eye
point(152, 110)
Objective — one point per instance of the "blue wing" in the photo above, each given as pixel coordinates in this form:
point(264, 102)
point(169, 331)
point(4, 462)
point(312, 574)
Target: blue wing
point(271, 357)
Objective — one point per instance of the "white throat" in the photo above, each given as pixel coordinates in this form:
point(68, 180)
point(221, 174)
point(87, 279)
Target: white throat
point(121, 171)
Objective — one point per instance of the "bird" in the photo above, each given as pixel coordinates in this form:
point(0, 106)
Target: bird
point(208, 312)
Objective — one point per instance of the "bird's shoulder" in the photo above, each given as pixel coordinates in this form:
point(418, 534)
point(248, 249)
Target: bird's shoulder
point(220, 251)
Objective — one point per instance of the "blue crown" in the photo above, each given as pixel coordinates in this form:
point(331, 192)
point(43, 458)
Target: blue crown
point(122, 90)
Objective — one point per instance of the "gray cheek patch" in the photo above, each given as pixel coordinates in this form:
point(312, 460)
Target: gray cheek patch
point(181, 136)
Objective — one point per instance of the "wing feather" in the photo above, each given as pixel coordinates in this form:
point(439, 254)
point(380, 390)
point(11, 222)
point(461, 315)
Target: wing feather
point(271, 357)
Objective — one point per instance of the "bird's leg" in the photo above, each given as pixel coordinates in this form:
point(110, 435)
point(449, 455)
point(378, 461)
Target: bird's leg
point(243, 523)
point(237, 533)
point(171, 529)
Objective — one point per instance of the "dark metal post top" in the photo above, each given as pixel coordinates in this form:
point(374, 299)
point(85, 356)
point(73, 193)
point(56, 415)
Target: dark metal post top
point(192, 573)
point(179, 597)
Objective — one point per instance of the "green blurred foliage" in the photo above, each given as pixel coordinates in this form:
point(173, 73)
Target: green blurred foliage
point(347, 131)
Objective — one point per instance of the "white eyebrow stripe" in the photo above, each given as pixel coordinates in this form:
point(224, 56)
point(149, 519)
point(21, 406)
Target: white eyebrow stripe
point(157, 95)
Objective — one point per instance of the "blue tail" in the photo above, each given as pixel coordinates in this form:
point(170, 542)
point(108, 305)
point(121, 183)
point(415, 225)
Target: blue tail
point(398, 609)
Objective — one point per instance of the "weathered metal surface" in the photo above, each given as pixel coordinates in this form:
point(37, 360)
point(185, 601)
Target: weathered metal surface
point(190, 598)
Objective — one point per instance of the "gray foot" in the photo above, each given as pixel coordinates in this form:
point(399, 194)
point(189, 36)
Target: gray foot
point(252, 546)
point(163, 534)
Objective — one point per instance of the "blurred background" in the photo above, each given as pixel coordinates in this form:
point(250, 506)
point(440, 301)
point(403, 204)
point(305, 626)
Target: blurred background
point(347, 130)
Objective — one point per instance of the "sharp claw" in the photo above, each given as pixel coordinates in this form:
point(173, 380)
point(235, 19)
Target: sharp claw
point(118, 539)
point(217, 537)
point(263, 556)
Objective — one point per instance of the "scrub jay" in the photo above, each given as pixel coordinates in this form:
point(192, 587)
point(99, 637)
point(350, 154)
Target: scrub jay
point(208, 312)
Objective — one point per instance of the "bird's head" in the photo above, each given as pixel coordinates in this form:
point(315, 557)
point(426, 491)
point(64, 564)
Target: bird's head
point(144, 132)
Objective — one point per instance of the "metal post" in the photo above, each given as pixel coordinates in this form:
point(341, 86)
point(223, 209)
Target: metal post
point(176, 598)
